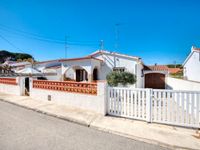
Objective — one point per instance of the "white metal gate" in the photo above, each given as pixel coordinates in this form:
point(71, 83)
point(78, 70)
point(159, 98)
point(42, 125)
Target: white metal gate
point(176, 107)
point(127, 102)
point(180, 108)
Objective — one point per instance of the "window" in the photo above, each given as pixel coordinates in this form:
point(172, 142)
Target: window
point(119, 69)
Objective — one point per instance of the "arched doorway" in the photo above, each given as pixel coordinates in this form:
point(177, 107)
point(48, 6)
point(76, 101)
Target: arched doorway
point(155, 80)
point(95, 74)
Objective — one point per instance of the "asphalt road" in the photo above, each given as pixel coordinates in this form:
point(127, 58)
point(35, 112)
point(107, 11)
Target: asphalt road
point(23, 129)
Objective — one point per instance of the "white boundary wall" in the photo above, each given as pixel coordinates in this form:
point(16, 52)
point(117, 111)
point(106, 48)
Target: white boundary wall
point(95, 103)
point(11, 89)
point(180, 84)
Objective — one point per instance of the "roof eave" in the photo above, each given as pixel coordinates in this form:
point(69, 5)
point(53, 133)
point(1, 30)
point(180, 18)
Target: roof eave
point(187, 58)
point(107, 52)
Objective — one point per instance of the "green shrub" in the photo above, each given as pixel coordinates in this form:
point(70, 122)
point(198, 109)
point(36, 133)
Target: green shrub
point(124, 78)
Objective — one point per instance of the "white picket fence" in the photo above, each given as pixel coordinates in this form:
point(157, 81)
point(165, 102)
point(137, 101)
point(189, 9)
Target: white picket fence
point(181, 108)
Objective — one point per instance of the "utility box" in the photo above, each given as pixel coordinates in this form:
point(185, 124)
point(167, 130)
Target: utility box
point(49, 97)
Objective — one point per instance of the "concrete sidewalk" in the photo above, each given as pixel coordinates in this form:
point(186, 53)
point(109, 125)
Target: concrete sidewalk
point(167, 136)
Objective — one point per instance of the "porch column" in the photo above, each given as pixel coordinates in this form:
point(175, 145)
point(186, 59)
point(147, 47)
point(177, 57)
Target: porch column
point(90, 77)
point(89, 73)
point(63, 71)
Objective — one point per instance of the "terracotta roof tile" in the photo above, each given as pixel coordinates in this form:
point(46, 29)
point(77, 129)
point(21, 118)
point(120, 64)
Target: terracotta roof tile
point(157, 68)
point(69, 59)
point(162, 68)
point(174, 70)
point(197, 49)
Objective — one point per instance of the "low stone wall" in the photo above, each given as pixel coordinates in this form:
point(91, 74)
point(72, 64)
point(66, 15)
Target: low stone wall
point(94, 102)
point(179, 84)
point(10, 86)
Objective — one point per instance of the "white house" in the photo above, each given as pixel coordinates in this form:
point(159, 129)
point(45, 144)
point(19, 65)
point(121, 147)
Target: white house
point(192, 65)
point(119, 62)
point(93, 67)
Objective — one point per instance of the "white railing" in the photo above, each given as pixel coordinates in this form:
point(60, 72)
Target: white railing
point(180, 108)
point(126, 102)
point(176, 107)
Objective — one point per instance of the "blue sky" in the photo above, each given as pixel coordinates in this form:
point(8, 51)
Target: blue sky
point(158, 31)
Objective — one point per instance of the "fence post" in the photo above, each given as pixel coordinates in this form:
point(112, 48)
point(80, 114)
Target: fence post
point(149, 105)
point(30, 85)
point(21, 85)
point(102, 93)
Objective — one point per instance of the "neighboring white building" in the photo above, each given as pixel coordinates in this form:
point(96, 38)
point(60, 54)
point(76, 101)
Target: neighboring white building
point(93, 67)
point(192, 65)
point(16, 66)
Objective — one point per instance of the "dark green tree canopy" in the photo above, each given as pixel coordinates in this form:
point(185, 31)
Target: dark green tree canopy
point(124, 78)
point(13, 56)
point(174, 66)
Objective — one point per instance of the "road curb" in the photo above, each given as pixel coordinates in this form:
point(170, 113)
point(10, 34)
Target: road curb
point(89, 125)
point(153, 142)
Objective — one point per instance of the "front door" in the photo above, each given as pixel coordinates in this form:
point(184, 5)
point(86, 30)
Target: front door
point(78, 75)
point(27, 87)
point(95, 74)
point(81, 75)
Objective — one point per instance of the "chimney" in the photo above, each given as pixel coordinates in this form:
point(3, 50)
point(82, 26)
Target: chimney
point(192, 48)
